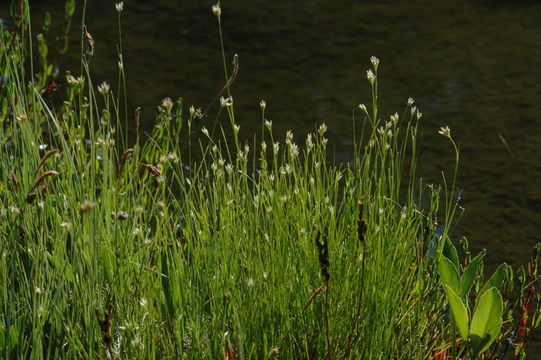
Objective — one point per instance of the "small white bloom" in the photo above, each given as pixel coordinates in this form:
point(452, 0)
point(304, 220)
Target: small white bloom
point(263, 104)
point(216, 9)
point(104, 88)
point(289, 135)
point(119, 6)
point(363, 108)
point(370, 76)
point(226, 102)
point(268, 124)
point(394, 118)
point(375, 62)
point(445, 131)
point(322, 129)
point(143, 302)
point(410, 101)
point(205, 131)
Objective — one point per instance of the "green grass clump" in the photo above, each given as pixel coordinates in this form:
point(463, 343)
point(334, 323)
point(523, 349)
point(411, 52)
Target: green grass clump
point(245, 251)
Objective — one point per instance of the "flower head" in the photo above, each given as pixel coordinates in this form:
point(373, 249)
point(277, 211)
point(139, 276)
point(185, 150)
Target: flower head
point(375, 62)
point(216, 9)
point(445, 131)
point(370, 76)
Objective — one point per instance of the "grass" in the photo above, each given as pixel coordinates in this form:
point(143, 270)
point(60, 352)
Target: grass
point(241, 251)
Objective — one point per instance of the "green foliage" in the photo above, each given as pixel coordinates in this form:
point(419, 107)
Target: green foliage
point(486, 321)
point(150, 248)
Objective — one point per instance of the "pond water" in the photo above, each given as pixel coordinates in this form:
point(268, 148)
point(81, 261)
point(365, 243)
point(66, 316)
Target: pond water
point(473, 65)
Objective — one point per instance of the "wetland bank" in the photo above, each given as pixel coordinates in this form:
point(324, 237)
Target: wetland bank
point(172, 235)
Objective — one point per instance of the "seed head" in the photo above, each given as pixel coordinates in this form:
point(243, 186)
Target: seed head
point(87, 205)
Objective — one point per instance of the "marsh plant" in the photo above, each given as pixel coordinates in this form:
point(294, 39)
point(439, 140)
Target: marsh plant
point(144, 248)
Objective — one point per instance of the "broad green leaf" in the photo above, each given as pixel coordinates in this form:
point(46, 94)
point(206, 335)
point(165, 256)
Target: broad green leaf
point(487, 320)
point(459, 312)
point(470, 273)
point(497, 278)
point(449, 251)
point(449, 274)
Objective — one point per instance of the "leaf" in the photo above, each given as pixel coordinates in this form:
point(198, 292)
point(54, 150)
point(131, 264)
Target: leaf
point(459, 312)
point(449, 274)
point(470, 273)
point(449, 251)
point(487, 320)
point(497, 278)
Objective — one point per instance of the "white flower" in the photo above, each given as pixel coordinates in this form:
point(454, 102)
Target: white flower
point(205, 131)
point(375, 62)
point(263, 104)
point(410, 101)
point(394, 118)
point(268, 124)
point(370, 76)
point(103, 88)
point(216, 9)
point(226, 102)
point(293, 150)
point(322, 129)
point(119, 6)
point(167, 104)
point(445, 131)
point(363, 107)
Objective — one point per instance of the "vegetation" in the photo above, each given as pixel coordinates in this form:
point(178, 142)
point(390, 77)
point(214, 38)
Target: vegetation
point(138, 248)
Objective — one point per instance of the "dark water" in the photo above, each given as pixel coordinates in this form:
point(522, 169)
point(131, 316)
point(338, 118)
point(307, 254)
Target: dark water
point(472, 65)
